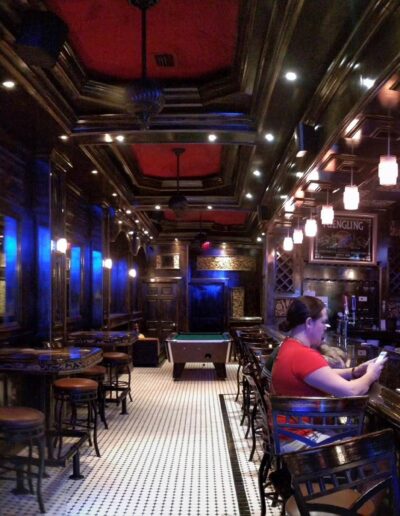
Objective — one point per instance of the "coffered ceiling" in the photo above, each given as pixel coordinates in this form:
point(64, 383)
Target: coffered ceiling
point(250, 135)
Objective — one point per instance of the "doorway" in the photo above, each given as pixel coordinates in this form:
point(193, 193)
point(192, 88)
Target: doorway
point(208, 305)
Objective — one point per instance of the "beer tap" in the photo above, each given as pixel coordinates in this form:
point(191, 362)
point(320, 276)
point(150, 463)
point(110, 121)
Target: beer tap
point(345, 322)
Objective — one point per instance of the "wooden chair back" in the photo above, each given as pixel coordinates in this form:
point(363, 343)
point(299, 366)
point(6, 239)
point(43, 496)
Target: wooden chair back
point(355, 476)
point(295, 418)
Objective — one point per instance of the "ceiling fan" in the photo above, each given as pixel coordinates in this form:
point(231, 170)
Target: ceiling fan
point(178, 202)
point(146, 97)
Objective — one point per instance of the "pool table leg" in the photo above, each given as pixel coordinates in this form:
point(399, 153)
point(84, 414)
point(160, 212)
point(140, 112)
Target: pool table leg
point(220, 369)
point(178, 368)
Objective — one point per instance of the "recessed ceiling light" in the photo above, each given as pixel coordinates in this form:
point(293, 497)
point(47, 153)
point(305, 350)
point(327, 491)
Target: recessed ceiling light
point(290, 76)
point(249, 195)
point(8, 84)
point(176, 239)
point(120, 222)
point(256, 173)
point(130, 232)
point(283, 197)
point(120, 138)
point(128, 212)
point(301, 153)
point(259, 239)
point(262, 234)
point(209, 207)
point(212, 137)
point(137, 221)
point(151, 238)
point(114, 194)
point(299, 174)
point(108, 138)
point(157, 207)
point(145, 232)
point(64, 137)
point(94, 172)
point(269, 137)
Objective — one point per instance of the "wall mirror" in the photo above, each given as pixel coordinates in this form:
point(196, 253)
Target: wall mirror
point(167, 261)
point(74, 281)
point(8, 269)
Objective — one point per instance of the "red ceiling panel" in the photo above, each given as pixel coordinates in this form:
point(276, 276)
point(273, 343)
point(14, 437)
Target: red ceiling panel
point(200, 34)
point(160, 161)
point(226, 218)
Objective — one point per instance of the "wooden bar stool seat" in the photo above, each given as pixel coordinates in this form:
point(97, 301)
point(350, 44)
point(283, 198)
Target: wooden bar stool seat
point(98, 374)
point(115, 363)
point(78, 392)
point(23, 426)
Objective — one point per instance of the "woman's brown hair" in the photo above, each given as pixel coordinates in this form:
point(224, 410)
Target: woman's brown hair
point(300, 309)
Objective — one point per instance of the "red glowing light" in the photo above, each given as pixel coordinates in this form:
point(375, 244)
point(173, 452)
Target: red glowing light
point(206, 245)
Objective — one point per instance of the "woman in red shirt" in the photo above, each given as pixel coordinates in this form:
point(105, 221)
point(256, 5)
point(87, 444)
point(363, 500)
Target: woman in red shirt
point(301, 370)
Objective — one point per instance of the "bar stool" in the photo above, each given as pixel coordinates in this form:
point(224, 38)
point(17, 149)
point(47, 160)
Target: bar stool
point(77, 392)
point(114, 361)
point(23, 425)
point(98, 374)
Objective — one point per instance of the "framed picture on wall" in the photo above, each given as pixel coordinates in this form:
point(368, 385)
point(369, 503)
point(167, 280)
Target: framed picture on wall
point(350, 239)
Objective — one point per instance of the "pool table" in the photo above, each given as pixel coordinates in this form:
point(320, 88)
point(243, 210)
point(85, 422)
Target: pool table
point(199, 347)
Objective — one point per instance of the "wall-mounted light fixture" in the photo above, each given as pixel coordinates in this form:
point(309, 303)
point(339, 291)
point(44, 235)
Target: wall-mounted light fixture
point(61, 245)
point(132, 273)
point(107, 263)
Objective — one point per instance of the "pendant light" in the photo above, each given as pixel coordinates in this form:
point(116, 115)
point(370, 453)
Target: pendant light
point(327, 212)
point(178, 202)
point(311, 228)
point(288, 242)
point(146, 97)
point(298, 234)
point(351, 195)
point(388, 168)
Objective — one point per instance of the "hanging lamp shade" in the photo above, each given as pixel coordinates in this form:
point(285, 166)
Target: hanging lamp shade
point(288, 244)
point(311, 228)
point(351, 197)
point(388, 170)
point(327, 214)
point(298, 236)
point(145, 96)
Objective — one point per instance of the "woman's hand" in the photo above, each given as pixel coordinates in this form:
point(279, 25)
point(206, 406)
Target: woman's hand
point(374, 368)
point(361, 369)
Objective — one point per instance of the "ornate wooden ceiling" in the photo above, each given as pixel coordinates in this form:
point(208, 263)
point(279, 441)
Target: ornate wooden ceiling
point(222, 68)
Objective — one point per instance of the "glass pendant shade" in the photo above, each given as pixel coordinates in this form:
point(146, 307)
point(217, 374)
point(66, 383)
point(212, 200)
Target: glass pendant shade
point(327, 214)
point(310, 229)
point(388, 170)
point(298, 236)
point(351, 197)
point(288, 244)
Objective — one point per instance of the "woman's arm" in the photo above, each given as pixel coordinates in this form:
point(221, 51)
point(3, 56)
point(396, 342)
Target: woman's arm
point(328, 380)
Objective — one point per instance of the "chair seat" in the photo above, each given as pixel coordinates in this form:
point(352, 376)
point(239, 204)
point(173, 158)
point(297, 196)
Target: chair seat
point(20, 417)
point(342, 499)
point(76, 384)
point(115, 356)
point(96, 370)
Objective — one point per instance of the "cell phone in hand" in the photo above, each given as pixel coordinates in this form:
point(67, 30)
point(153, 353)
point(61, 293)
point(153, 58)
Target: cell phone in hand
point(381, 357)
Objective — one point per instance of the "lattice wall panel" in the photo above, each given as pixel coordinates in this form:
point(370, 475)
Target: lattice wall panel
point(284, 272)
point(394, 271)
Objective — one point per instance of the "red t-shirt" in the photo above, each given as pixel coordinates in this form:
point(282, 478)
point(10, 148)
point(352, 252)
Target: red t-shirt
point(293, 363)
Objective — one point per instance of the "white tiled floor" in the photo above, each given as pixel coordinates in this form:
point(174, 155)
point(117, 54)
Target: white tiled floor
point(168, 457)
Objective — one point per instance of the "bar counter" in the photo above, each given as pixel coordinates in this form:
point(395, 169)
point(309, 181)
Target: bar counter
point(62, 361)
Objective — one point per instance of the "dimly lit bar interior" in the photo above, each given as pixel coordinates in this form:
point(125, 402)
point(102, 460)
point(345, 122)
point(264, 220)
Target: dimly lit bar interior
point(199, 257)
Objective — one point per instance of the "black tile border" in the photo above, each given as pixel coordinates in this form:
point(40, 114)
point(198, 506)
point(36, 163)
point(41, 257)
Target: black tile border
point(244, 509)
